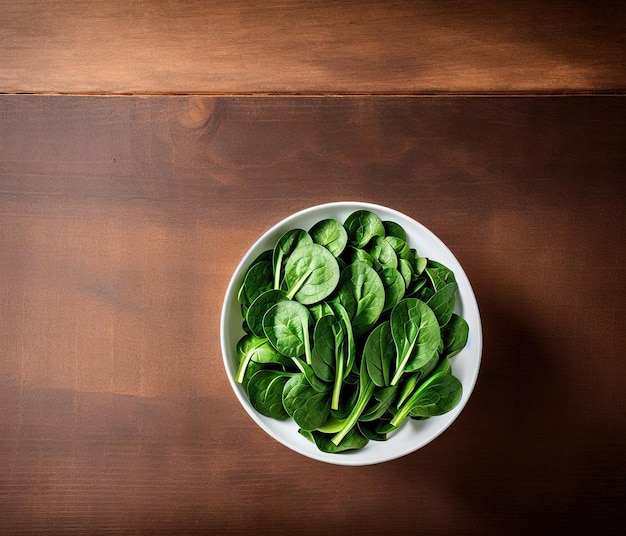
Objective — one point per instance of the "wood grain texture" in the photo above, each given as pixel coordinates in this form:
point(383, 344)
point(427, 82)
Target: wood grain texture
point(286, 46)
point(121, 221)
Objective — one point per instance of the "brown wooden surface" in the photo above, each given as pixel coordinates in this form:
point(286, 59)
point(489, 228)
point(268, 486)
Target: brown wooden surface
point(121, 221)
point(285, 46)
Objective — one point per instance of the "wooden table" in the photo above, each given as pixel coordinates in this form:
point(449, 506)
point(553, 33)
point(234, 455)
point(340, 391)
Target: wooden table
point(123, 218)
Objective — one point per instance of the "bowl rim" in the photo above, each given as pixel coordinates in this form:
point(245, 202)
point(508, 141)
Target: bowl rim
point(299, 444)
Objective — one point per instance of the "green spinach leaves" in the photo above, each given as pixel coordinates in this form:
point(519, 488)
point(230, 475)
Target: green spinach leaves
point(349, 332)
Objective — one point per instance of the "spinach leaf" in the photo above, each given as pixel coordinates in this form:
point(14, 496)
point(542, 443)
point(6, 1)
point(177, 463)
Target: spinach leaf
point(308, 407)
point(311, 274)
point(442, 302)
point(382, 253)
point(419, 263)
point(454, 334)
point(352, 255)
point(330, 234)
point(257, 280)
point(252, 348)
point(265, 391)
point(332, 355)
point(406, 269)
point(362, 226)
point(395, 230)
point(286, 326)
point(260, 306)
point(362, 293)
point(328, 358)
point(439, 274)
point(439, 394)
point(416, 335)
point(379, 353)
point(395, 287)
point(287, 243)
point(327, 339)
point(401, 247)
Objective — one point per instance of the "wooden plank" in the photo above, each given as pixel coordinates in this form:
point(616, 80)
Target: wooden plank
point(121, 221)
point(285, 46)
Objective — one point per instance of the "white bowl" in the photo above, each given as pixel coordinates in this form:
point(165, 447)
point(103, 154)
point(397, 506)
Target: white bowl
point(413, 434)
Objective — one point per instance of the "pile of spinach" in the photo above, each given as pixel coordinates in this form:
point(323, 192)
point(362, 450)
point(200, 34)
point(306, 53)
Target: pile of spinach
point(349, 332)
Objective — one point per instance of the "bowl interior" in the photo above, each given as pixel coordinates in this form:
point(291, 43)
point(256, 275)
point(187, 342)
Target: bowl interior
point(465, 365)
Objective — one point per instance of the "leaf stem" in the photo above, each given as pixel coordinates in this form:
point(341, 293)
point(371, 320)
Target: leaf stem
point(339, 369)
point(405, 408)
point(243, 365)
point(402, 366)
point(357, 410)
point(277, 270)
point(307, 343)
point(294, 290)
